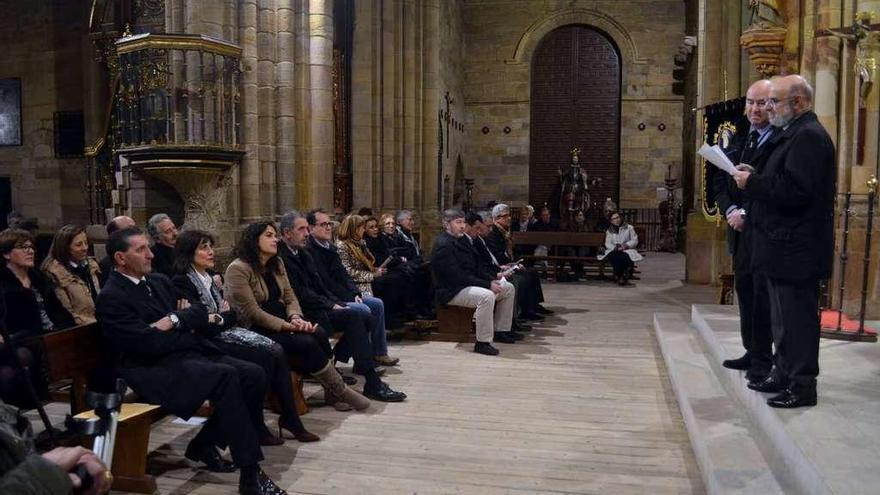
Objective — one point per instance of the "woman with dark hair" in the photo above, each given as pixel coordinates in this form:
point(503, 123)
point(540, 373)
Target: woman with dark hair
point(258, 290)
point(73, 273)
point(32, 309)
point(193, 258)
point(620, 249)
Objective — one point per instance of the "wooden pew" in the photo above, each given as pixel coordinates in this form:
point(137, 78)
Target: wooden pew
point(72, 354)
point(454, 324)
point(556, 240)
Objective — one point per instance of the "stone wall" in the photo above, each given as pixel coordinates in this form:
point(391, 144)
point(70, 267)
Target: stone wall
point(500, 37)
point(43, 43)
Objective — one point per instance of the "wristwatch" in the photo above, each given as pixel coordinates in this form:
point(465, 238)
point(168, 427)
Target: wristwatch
point(174, 320)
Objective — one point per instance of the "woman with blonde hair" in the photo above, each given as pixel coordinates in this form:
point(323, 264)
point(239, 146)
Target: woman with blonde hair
point(73, 274)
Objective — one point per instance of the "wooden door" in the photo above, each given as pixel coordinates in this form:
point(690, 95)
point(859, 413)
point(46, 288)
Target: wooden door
point(575, 103)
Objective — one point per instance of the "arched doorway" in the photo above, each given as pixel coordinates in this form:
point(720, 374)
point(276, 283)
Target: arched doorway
point(575, 103)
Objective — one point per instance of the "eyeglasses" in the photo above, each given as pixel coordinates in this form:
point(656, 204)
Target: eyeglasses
point(772, 102)
point(25, 247)
point(324, 225)
point(504, 215)
point(756, 103)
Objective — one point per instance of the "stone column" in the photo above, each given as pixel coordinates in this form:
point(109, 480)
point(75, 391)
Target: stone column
point(285, 122)
point(249, 171)
point(266, 25)
point(314, 104)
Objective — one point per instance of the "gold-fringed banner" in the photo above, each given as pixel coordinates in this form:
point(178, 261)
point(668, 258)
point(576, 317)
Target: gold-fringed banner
point(720, 121)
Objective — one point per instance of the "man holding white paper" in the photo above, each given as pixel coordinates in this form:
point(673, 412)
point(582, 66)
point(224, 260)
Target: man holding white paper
point(749, 151)
point(792, 198)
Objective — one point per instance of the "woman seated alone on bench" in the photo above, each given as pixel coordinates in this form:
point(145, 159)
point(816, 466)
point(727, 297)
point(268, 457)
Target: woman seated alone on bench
point(73, 274)
point(31, 310)
point(193, 257)
point(259, 292)
point(620, 249)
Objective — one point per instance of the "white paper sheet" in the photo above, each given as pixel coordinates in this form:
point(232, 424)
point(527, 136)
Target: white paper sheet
point(715, 156)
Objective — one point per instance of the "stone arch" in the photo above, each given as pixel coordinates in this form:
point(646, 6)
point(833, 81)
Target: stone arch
point(530, 39)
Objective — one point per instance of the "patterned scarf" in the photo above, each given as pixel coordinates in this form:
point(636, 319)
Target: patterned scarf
point(210, 298)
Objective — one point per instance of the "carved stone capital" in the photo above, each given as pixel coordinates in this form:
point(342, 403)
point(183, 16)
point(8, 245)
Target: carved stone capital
point(764, 45)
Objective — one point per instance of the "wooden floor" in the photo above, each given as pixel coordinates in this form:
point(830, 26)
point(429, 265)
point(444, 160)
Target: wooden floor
point(583, 405)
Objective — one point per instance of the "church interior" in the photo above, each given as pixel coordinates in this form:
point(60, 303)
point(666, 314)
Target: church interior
point(225, 113)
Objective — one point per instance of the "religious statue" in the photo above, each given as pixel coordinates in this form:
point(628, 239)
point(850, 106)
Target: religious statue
point(765, 14)
point(574, 193)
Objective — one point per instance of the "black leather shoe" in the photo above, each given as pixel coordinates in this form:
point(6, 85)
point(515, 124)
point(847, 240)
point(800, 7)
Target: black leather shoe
point(755, 378)
point(531, 317)
point(790, 400)
point(504, 338)
point(264, 486)
point(519, 327)
point(516, 336)
point(741, 363)
point(383, 393)
point(485, 348)
point(541, 310)
point(208, 455)
point(771, 384)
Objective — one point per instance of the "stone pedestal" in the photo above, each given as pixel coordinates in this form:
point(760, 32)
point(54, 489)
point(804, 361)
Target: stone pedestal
point(707, 256)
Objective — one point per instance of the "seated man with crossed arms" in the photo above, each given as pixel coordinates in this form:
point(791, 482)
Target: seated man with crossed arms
point(462, 281)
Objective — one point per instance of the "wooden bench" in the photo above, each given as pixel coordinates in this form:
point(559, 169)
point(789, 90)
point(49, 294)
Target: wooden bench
point(454, 324)
point(560, 240)
point(72, 354)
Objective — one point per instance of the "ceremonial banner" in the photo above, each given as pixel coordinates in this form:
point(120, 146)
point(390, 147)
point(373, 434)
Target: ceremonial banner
point(720, 121)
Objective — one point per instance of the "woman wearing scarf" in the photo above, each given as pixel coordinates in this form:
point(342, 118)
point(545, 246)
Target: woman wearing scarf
point(193, 257)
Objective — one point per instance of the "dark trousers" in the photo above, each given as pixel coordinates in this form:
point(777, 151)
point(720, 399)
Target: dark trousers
point(528, 291)
point(238, 405)
point(794, 312)
point(273, 360)
point(754, 320)
point(310, 350)
point(355, 342)
point(620, 263)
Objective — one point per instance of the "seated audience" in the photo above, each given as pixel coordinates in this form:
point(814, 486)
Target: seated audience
point(167, 362)
point(163, 233)
point(73, 274)
point(32, 309)
point(620, 249)
point(106, 264)
point(362, 312)
point(259, 292)
point(526, 223)
point(545, 222)
point(193, 257)
point(339, 284)
point(579, 225)
point(462, 282)
point(528, 283)
point(23, 471)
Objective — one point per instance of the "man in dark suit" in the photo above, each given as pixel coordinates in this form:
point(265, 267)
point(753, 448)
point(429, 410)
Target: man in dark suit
point(462, 282)
point(793, 243)
point(328, 310)
point(527, 281)
point(163, 232)
point(164, 360)
point(751, 149)
point(546, 223)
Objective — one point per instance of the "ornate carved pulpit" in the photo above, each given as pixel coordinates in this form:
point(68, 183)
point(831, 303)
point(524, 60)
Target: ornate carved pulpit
point(178, 118)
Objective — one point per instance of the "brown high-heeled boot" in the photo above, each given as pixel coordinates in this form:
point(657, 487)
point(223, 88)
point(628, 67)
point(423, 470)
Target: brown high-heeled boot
point(335, 390)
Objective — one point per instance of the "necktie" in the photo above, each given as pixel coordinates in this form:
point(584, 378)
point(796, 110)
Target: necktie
point(751, 146)
point(144, 287)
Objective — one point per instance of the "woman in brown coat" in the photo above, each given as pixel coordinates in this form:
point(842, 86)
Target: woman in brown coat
point(259, 292)
point(73, 274)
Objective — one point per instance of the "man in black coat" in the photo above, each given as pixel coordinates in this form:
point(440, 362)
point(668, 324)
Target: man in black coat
point(751, 148)
point(166, 362)
point(527, 282)
point(462, 282)
point(163, 232)
point(793, 239)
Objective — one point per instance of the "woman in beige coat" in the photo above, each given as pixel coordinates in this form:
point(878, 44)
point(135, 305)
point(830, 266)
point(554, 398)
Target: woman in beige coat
point(73, 274)
point(259, 292)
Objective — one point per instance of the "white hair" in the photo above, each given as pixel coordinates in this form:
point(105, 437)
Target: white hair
point(500, 209)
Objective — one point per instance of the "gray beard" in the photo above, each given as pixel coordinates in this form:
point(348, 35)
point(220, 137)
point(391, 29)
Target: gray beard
point(780, 121)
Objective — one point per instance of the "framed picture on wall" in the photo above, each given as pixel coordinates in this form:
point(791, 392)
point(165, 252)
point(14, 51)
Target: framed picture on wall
point(10, 112)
